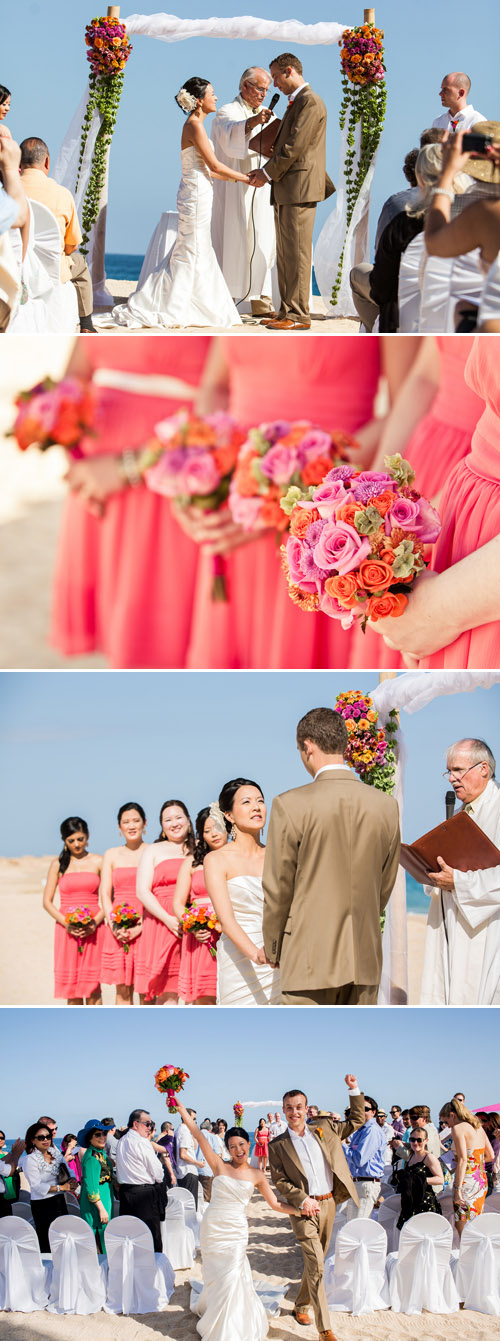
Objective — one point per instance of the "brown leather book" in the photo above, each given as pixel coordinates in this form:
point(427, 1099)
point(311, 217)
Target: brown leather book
point(459, 841)
point(264, 144)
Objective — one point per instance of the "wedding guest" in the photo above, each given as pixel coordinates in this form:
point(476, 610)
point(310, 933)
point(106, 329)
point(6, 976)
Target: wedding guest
point(74, 875)
point(366, 1157)
point(386, 1127)
point(69, 1148)
point(460, 115)
point(187, 1159)
point(159, 952)
point(118, 885)
point(419, 1181)
point(472, 1148)
point(277, 1127)
point(491, 1125)
point(9, 1178)
point(261, 1138)
point(39, 185)
point(462, 945)
point(397, 1120)
point(96, 1197)
point(205, 1175)
point(477, 225)
point(397, 202)
point(243, 232)
point(420, 1118)
point(5, 100)
point(44, 1167)
point(141, 1175)
point(198, 970)
point(111, 1138)
point(166, 1139)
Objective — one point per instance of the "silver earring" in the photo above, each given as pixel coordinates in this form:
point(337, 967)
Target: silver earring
point(233, 832)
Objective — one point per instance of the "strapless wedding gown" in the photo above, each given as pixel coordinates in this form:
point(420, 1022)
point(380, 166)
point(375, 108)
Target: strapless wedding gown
point(239, 981)
point(187, 288)
point(228, 1306)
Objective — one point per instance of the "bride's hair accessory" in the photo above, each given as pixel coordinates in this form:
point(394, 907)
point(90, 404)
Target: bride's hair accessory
point(217, 816)
point(186, 101)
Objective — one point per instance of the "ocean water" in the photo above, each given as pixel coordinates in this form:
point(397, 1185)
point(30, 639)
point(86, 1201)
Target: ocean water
point(121, 265)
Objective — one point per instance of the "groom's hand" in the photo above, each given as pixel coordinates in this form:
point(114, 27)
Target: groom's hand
point(257, 177)
point(310, 1206)
point(351, 1082)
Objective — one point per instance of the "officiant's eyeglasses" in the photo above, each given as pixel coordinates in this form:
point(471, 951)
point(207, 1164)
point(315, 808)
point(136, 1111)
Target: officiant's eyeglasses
point(461, 772)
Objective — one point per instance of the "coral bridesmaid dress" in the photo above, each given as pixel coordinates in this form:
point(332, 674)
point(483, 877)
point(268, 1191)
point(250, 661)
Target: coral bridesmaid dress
point(77, 974)
point(158, 955)
point(332, 383)
point(118, 966)
point(114, 585)
point(198, 971)
point(439, 442)
point(470, 508)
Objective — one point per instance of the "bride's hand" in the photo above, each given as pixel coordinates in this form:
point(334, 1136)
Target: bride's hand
point(260, 956)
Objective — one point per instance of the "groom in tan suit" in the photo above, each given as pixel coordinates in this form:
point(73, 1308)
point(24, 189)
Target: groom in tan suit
point(331, 862)
point(298, 176)
point(309, 1171)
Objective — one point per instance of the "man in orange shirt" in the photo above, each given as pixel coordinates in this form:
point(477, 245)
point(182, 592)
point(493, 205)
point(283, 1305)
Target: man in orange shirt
point(38, 185)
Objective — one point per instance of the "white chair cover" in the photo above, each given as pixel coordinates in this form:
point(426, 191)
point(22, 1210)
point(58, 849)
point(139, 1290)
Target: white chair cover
point(159, 245)
point(409, 285)
point(78, 1279)
point(31, 316)
point(477, 1272)
point(192, 1217)
point(62, 302)
point(355, 1279)
point(421, 1278)
point(489, 307)
point(446, 280)
point(139, 1280)
point(23, 1210)
point(23, 1286)
point(388, 1214)
point(177, 1239)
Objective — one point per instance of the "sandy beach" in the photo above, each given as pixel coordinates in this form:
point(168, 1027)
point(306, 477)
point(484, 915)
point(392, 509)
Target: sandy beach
point(26, 978)
point(323, 320)
point(275, 1257)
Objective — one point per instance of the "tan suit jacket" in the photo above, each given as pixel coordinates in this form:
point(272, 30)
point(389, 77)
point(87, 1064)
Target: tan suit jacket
point(297, 168)
point(287, 1173)
point(331, 862)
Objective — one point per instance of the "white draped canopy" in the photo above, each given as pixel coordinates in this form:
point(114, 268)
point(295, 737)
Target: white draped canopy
point(288, 33)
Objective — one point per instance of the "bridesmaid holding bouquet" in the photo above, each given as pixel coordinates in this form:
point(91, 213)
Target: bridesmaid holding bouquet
point(75, 875)
point(118, 887)
point(159, 947)
point(198, 971)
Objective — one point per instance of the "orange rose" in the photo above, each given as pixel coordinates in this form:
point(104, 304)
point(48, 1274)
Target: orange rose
point(372, 716)
point(375, 576)
point(383, 502)
point(344, 589)
point(347, 512)
point(381, 607)
point(225, 458)
point(314, 471)
point(272, 514)
point(245, 479)
point(301, 521)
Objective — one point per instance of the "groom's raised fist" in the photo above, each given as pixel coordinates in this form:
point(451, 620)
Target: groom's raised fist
point(351, 1082)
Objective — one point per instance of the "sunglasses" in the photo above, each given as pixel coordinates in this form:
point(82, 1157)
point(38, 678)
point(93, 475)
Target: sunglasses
point(415, 1140)
point(43, 1138)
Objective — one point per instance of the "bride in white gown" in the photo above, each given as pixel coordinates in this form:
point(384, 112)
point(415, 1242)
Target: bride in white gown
point(228, 1306)
point(233, 877)
point(188, 288)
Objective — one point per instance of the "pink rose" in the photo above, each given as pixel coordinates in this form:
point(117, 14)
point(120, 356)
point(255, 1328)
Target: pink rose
point(166, 476)
point(428, 524)
point(340, 547)
point(314, 444)
point(295, 549)
point(328, 497)
point(200, 475)
point(279, 464)
point(330, 606)
point(245, 511)
point(404, 513)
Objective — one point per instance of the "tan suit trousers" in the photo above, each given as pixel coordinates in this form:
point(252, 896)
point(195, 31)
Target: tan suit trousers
point(80, 277)
point(350, 994)
point(294, 231)
point(313, 1233)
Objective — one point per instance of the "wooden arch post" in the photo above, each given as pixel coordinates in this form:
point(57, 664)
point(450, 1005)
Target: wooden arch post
point(101, 299)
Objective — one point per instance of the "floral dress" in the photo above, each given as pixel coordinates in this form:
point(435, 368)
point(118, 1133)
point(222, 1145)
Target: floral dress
point(97, 1185)
point(474, 1189)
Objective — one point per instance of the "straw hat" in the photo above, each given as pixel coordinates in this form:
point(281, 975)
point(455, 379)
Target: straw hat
point(483, 169)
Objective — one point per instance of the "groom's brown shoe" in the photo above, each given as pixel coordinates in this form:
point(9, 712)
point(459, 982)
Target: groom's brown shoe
point(327, 1336)
point(302, 1318)
point(287, 324)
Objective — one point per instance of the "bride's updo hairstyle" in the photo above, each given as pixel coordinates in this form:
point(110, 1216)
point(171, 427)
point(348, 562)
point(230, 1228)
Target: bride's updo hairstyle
point(236, 1131)
point(69, 826)
point(228, 793)
point(191, 92)
point(189, 839)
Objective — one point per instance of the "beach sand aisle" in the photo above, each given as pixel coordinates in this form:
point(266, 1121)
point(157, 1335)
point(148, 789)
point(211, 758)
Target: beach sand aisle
point(275, 1257)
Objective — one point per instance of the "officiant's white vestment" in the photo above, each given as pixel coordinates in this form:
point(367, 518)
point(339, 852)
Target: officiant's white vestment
point(466, 970)
point(232, 227)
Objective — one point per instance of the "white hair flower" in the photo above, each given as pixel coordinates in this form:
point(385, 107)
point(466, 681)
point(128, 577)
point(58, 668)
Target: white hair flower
point(217, 816)
point(186, 100)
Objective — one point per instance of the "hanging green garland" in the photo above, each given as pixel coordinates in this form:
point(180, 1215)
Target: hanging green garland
point(364, 97)
point(108, 52)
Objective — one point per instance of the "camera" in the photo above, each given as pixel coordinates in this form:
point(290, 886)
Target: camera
point(476, 144)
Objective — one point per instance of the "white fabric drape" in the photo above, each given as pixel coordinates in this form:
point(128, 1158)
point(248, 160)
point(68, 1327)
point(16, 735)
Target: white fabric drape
point(393, 990)
point(331, 239)
point(65, 171)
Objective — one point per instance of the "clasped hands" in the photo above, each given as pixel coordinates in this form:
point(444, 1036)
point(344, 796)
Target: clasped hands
point(257, 177)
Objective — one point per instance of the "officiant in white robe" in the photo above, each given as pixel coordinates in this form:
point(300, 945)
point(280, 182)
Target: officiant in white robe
point(462, 954)
point(243, 218)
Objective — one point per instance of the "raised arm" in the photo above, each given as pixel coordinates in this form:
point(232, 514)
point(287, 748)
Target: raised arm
point(197, 135)
point(214, 1161)
point(145, 872)
point(216, 884)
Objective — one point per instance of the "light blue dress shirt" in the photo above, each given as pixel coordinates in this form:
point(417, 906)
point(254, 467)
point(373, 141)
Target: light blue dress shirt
point(366, 1155)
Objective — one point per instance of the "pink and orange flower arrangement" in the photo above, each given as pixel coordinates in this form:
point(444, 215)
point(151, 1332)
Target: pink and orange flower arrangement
point(371, 747)
point(357, 542)
point(170, 1080)
point(108, 45)
point(199, 917)
point(275, 457)
point(238, 1111)
point(125, 916)
point(55, 412)
point(79, 919)
point(362, 55)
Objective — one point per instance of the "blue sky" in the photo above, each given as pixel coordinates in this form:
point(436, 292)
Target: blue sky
point(405, 1057)
point(43, 63)
point(82, 743)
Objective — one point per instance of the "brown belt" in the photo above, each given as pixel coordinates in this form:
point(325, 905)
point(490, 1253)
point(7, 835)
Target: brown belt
point(326, 1197)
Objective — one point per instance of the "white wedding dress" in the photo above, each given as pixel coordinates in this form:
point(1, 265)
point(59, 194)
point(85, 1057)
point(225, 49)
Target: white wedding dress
point(239, 981)
point(187, 288)
point(228, 1306)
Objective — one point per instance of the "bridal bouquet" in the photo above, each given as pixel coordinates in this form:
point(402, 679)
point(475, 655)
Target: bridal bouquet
point(356, 542)
point(55, 412)
point(238, 1111)
point(201, 918)
point(275, 457)
point(124, 916)
point(170, 1080)
point(79, 919)
point(191, 461)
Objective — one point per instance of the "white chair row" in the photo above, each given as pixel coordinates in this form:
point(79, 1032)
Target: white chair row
point(132, 1278)
point(425, 1273)
point(431, 288)
point(50, 305)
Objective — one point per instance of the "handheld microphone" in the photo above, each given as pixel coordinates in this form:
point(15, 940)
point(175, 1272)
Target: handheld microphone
point(449, 801)
point(275, 98)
